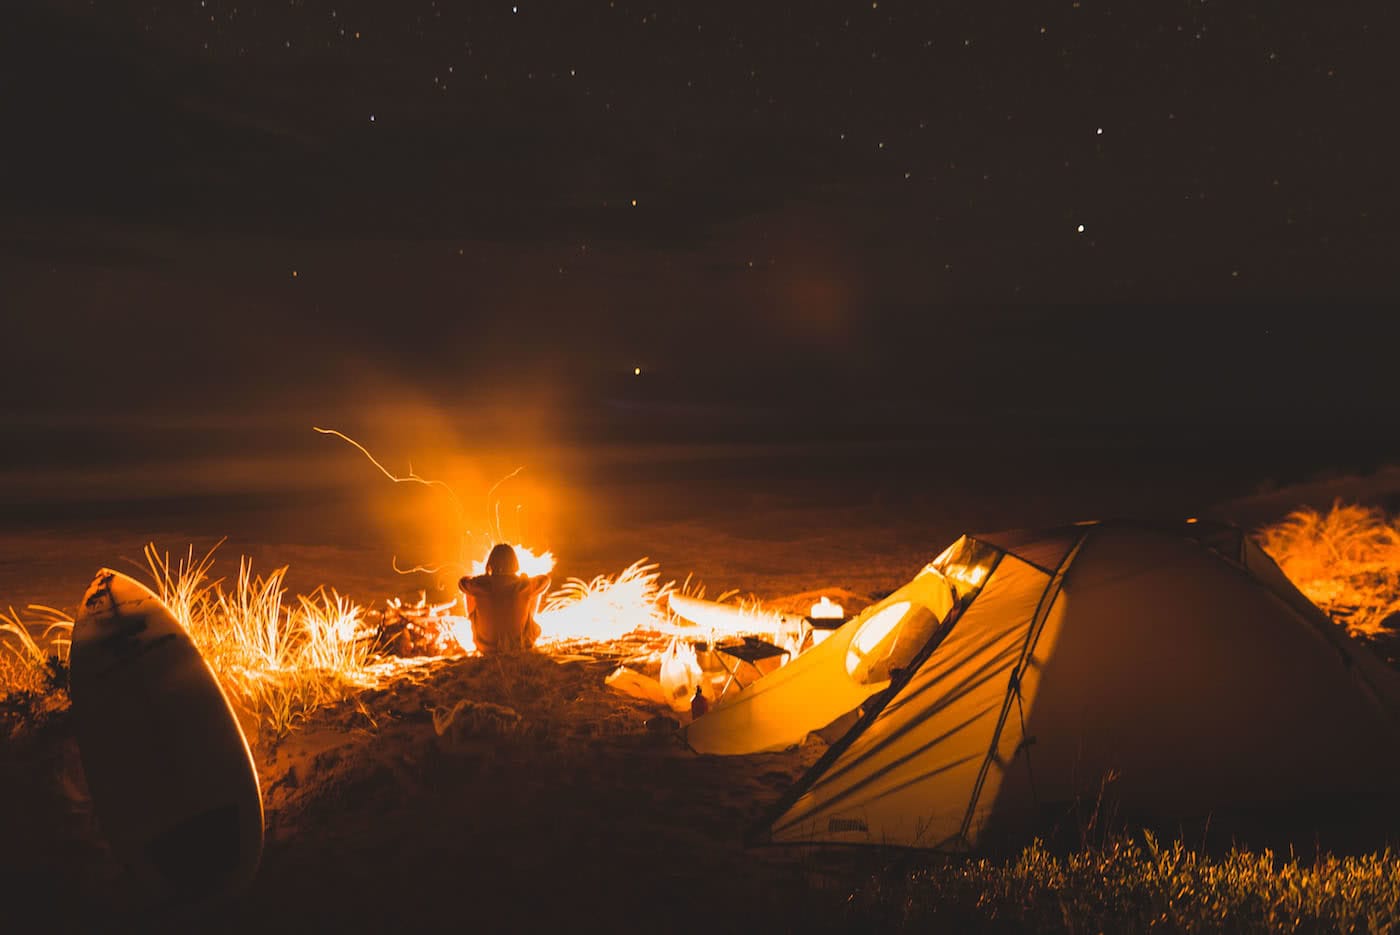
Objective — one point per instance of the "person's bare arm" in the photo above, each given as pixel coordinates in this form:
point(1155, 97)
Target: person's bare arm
point(473, 586)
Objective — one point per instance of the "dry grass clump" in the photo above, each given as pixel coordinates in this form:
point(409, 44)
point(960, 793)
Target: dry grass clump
point(33, 667)
point(1347, 561)
point(1127, 885)
point(281, 661)
point(33, 653)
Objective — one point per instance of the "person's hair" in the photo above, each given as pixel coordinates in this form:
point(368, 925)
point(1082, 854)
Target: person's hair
point(502, 560)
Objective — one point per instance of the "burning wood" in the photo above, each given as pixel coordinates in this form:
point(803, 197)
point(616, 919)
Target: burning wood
point(423, 629)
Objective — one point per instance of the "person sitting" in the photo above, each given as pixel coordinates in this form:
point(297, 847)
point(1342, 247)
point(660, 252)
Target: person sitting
point(502, 603)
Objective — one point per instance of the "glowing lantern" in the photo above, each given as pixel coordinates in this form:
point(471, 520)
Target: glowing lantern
point(824, 609)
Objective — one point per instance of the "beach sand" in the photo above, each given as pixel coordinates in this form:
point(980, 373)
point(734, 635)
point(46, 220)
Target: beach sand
point(546, 802)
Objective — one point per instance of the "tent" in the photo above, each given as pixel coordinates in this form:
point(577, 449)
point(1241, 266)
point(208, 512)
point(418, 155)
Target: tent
point(1172, 667)
point(831, 679)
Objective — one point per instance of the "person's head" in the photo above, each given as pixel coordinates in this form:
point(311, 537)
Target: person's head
point(502, 561)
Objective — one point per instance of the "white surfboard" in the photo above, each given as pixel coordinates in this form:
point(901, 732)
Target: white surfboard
point(727, 618)
point(171, 776)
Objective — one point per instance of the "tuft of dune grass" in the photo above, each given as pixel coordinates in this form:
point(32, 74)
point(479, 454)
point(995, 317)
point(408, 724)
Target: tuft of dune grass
point(1346, 560)
point(33, 667)
point(280, 660)
point(33, 653)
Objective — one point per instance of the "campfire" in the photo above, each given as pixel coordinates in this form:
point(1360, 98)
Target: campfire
point(626, 618)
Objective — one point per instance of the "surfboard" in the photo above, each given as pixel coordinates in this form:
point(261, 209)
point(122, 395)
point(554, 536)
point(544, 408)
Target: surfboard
point(727, 618)
point(173, 783)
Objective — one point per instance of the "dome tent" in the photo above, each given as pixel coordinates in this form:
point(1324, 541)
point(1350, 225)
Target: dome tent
point(1175, 663)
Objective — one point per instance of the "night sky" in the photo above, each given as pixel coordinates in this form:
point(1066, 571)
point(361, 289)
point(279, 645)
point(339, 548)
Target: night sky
point(856, 218)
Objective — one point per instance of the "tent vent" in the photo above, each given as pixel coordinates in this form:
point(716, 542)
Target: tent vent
point(835, 825)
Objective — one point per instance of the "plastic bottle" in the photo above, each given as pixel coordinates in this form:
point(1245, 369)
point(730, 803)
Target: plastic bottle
point(698, 704)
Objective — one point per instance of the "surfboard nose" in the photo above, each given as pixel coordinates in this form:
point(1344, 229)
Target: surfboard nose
point(113, 596)
point(98, 596)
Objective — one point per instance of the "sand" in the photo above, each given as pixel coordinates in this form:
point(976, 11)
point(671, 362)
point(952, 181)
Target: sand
point(518, 791)
point(544, 802)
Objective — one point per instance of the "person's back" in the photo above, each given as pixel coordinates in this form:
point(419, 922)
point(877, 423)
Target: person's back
point(501, 604)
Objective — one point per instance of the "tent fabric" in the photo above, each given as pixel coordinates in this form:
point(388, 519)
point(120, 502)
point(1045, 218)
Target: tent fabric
point(1371, 673)
point(930, 741)
point(1373, 676)
point(1044, 548)
point(829, 680)
point(1150, 658)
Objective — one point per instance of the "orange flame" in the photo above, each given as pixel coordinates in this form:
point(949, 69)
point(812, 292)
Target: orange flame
point(530, 563)
point(605, 608)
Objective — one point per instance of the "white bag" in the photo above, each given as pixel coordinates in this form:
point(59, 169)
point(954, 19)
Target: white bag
point(680, 674)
